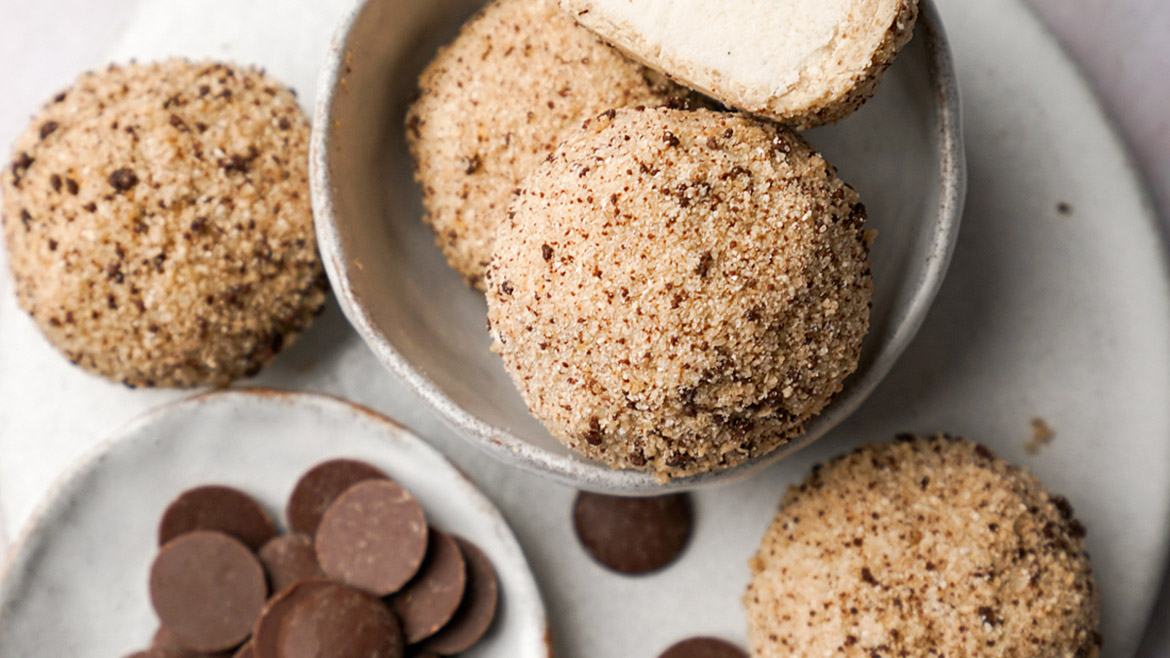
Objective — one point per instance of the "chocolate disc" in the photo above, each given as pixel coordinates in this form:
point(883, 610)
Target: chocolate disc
point(373, 537)
point(289, 559)
point(633, 535)
point(214, 507)
point(339, 622)
point(320, 486)
point(478, 609)
point(266, 632)
point(169, 644)
point(207, 589)
point(430, 599)
point(245, 651)
point(704, 647)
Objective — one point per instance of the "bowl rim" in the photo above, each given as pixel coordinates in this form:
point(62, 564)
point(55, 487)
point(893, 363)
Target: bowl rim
point(578, 471)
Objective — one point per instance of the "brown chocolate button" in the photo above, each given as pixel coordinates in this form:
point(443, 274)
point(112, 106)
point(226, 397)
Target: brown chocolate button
point(245, 651)
point(320, 486)
point(289, 559)
point(478, 609)
point(430, 599)
point(633, 535)
point(704, 647)
point(169, 644)
point(266, 632)
point(214, 507)
point(207, 589)
point(373, 537)
point(339, 622)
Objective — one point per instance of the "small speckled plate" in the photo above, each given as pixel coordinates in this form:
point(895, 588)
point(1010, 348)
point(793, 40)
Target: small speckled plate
point(903, 151)
point(75, 584)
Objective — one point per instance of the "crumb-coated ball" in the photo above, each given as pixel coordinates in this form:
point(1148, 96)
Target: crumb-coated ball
point(158, 223)
point(496, 101)
point(679, 291)
point(924, 547)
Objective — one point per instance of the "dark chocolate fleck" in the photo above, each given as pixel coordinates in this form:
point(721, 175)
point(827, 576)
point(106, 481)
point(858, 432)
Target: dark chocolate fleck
point(123, 179)
point(48, 128)
point(704, 266)
point(71, 186)
point(546, 252)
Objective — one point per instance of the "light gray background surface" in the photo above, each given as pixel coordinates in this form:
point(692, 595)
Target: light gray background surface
point(1123, 46)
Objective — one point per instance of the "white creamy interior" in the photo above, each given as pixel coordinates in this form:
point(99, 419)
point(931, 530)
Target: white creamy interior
point(761, 43)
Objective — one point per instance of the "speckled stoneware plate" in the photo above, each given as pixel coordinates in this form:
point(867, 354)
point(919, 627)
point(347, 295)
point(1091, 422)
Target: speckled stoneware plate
point(75, 584)
point(903, 151)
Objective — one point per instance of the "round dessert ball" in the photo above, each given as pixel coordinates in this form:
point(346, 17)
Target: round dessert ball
point(679, 291)
point(496, 101)
point(922, 547)
point(158, 222)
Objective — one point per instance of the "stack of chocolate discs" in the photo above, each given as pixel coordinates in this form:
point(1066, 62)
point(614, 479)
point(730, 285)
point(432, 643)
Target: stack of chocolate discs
point(360, 574)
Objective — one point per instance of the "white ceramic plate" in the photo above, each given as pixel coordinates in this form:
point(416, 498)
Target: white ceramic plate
point(76, 582)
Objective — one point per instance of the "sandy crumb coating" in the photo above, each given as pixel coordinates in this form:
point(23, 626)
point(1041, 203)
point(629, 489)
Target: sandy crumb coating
point(923, 547)
point(817, 82)
point(158, 223)
point(496, 101)
point(679, 291)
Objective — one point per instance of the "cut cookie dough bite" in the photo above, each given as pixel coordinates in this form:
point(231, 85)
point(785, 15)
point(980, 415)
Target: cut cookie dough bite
point(679, 291)
point(800, 62)
point(922, 547)
point(495, 102)
point(158, 224)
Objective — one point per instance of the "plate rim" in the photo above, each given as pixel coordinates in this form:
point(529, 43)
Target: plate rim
point(574, 470)
point(55, 501)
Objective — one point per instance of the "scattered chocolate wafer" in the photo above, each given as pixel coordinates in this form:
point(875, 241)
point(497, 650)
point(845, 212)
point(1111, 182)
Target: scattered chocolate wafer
point(267, 629)
point(633, 535)
point(169, 644)
point(289, 559)
point(338, 621)
point(320, 486)
point(475, 614)
point(215, 507)
point(703, 647)
point(207, 589)
point(373, 537)
point(430, 599)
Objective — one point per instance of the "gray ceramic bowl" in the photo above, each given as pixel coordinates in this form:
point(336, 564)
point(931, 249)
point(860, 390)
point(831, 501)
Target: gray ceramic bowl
point(903, 151)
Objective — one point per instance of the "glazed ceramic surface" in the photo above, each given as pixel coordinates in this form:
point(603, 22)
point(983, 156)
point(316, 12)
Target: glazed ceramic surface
point(1063, 316)
point(76, 584)
point(903, 152)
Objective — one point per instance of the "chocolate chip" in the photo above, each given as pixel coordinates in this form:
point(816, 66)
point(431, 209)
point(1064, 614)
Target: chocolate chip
point(633, 535)
point(374, 537)
point(123, 179)
point(20, 167)
point(214, 507)
point(207, 589)
point(55, 182)
point(178, 123)
point(48, 128)
point(71, 186)
point(338, 622)
point(289, 559)
point(506, 287)
point(477, 610)
point(546, 252)
point(284, 123)
point(429, 600)
point(704, 266)
point(320, 486)
point(670, 138)
point(703, 647)
point(472, 164)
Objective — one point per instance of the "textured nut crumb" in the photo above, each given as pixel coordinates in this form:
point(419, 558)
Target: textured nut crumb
point(493, 105)
point(158, 223)
point(679, 291)
point(923, 547)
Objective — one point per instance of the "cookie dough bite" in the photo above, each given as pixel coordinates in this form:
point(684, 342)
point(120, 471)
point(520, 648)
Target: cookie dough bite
point(158, 224)
point(495, 102)
point(679, 291)
point(800, 62)
point(922, 547)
